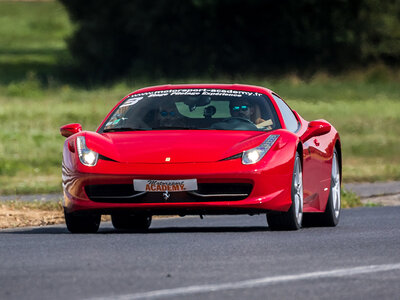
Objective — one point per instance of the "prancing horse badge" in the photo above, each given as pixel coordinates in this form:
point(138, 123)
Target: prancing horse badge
point(166, 195)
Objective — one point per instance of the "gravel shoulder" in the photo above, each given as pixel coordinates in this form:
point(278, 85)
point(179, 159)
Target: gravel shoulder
point(388, 200)
point(376, 193)
point(374, 189)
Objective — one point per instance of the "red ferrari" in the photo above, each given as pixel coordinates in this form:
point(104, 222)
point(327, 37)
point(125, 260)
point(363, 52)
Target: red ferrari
point(201, 149)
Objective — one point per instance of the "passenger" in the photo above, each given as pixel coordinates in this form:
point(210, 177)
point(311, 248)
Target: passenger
point(169, 116)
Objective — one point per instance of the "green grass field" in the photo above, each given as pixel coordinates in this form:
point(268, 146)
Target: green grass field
point(35, 102)
point(32, 39)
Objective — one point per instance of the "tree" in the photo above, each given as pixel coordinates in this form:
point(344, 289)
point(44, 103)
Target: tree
point(208, 37)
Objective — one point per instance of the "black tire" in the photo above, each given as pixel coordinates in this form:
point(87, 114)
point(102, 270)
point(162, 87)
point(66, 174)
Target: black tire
point(330, 217)
point(85, 223)
point(292, 219)
point(131, 222)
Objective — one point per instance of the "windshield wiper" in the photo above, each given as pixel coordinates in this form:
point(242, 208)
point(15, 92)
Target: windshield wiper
point(124, 129)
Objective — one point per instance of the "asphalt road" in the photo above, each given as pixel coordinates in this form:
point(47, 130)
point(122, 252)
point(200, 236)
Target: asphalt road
point(222, 257)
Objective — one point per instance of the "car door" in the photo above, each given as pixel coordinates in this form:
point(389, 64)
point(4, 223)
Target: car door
point(316, 171)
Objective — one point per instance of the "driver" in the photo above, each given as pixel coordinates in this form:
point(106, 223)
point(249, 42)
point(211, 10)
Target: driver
point(243, 109)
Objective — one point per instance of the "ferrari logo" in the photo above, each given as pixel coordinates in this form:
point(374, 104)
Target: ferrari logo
point(166, 195)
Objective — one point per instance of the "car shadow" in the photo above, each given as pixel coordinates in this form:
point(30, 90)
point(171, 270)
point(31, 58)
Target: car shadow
point(157, 230)
point(199, 229)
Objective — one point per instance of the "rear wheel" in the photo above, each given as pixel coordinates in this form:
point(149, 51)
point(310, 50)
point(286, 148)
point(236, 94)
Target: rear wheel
point(330, 217)
point(292, 219)
point(82, 223)
point(131, 222)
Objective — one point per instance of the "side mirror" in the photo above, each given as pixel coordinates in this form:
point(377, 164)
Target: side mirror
point(70, 129)
point(316, 128)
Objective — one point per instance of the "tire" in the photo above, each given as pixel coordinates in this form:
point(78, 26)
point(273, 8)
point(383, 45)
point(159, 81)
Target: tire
point(292, 219)
point(330, 217)
point(82, 223)
point(332, 211)
point(131, 222)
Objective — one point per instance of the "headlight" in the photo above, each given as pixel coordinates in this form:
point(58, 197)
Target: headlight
point(256, 154)
point(86, 156)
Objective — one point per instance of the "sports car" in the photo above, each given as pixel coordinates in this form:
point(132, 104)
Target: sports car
point(201, 149)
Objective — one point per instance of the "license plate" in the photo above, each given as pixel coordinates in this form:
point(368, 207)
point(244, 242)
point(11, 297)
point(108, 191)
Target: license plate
point(149, 185)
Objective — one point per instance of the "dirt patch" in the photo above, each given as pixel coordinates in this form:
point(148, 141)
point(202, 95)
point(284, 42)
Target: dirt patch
point(20, 217)
point(23, 214)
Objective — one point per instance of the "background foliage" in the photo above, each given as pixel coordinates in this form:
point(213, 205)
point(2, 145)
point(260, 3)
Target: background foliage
point(214, 37)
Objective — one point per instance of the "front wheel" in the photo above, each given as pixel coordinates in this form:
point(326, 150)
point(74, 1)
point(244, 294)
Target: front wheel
point(85, 223)
point(292, 219)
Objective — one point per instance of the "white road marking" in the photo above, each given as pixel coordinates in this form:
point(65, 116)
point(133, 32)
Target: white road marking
point(194, 289)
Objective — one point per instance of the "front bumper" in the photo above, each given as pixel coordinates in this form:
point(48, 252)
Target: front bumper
point(270, 187)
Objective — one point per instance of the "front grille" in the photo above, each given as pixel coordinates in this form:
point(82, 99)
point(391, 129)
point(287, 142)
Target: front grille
point(207, 192)
point(123, 193)
point(224, 188)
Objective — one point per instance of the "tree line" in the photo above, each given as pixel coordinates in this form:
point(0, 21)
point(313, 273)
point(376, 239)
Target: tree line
point(180, 38)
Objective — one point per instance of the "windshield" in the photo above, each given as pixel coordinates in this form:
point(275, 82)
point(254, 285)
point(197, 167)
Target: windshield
point(217, 109)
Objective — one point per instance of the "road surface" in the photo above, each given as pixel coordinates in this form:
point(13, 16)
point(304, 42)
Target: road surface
point(221, 257)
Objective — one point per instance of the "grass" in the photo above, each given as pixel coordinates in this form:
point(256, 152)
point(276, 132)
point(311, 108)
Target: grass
point(36, 205)
point(32, 38)
point(349, 199)
point(34, 102)
point(31, 148)
point(369, 130)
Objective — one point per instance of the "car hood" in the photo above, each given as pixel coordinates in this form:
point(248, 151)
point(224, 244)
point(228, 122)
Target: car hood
point(174, 146)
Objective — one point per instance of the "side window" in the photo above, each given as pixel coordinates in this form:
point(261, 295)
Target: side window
point(288, 117)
